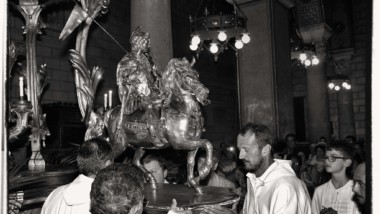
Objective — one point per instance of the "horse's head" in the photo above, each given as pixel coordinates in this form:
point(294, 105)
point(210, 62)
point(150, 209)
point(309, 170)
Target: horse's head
point(180, 77)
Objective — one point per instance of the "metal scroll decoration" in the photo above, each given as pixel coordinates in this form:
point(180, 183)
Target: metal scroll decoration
point(157, 109)
point(36, 82)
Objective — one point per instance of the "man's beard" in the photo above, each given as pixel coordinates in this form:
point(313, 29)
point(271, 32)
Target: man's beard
point(254, 168)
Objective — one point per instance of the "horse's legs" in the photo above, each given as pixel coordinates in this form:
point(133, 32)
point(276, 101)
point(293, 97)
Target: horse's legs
point(206, 169)
point(137, 162)
point(191, 162)
point(190, 171)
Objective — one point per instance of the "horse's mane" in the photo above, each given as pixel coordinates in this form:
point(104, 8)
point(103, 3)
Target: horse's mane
point(174, 68)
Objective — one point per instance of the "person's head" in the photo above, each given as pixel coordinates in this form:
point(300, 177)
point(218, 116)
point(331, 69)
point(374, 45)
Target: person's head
point(296, 163)
point(350, 139)
point(201, 162)
point(320, 151)
point(255, 145)
point(94, 155)
point(116, 190)
point(157, 166)
point(138, 173)
point(322, 139)
point(140, 41)
point(290, 140)
point(359, 186)
point(339, 157)
point(279, 149)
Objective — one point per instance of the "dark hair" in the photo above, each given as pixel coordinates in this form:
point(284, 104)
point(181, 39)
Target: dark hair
point(351, 137)
point(154, 157)
point(343, 147)
point(92, 156)
point(320, 147)
point(138, 173)
point(262, 133)
point(115, 190)
point(290, 135)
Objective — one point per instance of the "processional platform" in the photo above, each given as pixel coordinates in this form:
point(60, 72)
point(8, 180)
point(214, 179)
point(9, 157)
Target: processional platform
point(159, 200)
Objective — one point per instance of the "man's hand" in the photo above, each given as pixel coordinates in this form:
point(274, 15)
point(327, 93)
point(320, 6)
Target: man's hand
point(176, 210)
point(216, 209)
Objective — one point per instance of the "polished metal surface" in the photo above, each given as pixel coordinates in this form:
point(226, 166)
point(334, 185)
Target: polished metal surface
point(159, 200)
point(158, 109)
point(161, 113)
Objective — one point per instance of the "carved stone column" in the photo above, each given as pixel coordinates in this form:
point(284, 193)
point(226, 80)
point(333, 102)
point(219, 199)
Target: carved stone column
point(154, 16)
point(346, 121)
point(317, 96)
point(265, 76)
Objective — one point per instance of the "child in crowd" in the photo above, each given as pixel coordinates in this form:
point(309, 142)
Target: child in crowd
point(336, 194)
point(317, 165)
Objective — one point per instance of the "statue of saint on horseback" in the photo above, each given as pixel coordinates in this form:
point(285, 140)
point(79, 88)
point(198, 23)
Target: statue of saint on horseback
point(158, 109)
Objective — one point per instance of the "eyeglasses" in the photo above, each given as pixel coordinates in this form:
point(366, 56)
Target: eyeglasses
point(332, 158)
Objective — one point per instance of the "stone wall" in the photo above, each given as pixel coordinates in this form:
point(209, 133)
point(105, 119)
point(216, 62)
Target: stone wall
point(359, 68)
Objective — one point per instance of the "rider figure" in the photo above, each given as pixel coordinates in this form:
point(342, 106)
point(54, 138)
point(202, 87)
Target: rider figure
point(138, 83)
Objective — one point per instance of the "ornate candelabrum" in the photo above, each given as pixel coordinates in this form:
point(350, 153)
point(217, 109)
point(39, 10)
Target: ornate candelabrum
point(35, 82)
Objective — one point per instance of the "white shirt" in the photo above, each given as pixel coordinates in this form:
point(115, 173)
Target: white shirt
point(277, 191)
point(339, 199)
point(73, 198)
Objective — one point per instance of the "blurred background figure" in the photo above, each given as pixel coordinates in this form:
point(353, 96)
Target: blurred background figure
point(214, 178)
point(157, 166)
point(359, 186)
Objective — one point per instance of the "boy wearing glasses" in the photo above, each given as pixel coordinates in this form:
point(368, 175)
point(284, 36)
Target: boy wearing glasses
point(335, 196)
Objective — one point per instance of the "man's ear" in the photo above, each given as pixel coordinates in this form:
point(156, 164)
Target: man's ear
point(347, 162)
point(107, 163)
point(137, 209)
point(215, 166)
point(266, 150)
point(165, 173)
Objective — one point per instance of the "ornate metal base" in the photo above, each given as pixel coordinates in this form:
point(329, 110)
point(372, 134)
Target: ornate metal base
point(159, 200)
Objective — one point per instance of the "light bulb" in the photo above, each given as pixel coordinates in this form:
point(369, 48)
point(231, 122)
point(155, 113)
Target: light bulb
point(239, 44)
point(331, 85)
point(222, 36)
point(344, 84)
point(245, 38)
point(303, 56)
point(193, 47)
point(307, 62)
point(315, 60)
point(195, 40)
point(337, 88)
point(214, 48)
point(348, 87)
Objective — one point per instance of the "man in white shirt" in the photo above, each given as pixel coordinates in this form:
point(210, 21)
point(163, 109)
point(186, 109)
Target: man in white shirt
point(272, 185)
point(74, 197)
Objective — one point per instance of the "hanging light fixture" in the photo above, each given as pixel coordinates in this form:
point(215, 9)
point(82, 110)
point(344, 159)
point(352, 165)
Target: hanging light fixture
point(338, 82)
point(305, 53)
point(216, 32)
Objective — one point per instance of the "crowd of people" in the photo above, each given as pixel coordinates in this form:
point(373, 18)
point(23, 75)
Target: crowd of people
point(328, 179)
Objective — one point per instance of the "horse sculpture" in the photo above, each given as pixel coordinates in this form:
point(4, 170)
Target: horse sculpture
point(141, 122)
point(180, 118)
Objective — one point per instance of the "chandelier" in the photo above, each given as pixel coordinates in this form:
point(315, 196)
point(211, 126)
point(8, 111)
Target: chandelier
point(338, 82)
point(305, 53)
point(217, 32)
